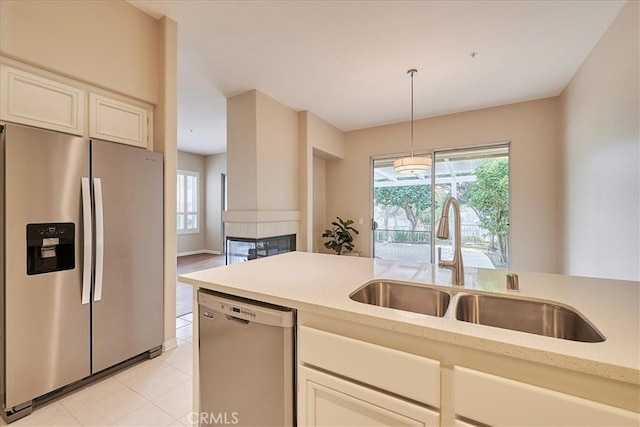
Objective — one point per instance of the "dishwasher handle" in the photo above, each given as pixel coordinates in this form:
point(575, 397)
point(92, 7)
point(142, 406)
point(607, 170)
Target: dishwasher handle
point(237, 320)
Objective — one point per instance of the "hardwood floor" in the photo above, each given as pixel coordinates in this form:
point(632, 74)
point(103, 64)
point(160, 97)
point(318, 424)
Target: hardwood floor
point(189, 264)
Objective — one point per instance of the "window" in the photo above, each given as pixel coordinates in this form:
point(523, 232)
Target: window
point(187, 201)
point(403, 214)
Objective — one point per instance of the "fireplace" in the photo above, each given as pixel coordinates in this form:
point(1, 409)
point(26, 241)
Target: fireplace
point(240, 249)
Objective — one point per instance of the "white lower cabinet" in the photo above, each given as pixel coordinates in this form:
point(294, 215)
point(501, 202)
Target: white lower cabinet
point(404, 374)
point(494, 400)
point(344, 381)
point(326, 400)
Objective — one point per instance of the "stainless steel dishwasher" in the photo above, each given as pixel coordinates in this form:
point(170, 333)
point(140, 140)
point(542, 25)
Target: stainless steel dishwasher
point(246, 362)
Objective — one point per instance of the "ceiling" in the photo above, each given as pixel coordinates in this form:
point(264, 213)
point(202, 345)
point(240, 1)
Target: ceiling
point(346, 61)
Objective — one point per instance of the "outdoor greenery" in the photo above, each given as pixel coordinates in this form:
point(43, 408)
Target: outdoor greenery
point(415, 201)
point(488, 196)
point(340, 236)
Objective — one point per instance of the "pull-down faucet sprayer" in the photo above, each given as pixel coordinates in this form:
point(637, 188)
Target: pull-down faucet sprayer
point(455, 265)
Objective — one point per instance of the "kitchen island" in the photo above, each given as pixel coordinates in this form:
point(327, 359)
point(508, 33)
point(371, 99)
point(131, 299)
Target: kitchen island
point(455, 356)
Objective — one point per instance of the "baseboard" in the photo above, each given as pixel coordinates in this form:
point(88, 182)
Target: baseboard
point(201, 251)
point(212, 252)
point(169, 344)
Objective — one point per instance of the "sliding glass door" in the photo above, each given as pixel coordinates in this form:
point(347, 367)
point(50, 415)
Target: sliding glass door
point(401, 213)
point(402, 205)
point(479, 180)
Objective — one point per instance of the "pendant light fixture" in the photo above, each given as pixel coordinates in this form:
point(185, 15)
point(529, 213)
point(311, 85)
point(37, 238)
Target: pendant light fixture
point(412, 164)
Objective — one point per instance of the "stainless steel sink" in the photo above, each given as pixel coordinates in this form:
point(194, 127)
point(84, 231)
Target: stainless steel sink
point(541, 318)
point(414, 298)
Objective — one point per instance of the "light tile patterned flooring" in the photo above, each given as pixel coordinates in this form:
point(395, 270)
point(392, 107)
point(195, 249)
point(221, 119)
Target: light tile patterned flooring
point(156, 392)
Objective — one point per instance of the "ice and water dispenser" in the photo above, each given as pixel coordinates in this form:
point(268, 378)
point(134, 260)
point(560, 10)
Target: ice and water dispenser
point(50, 247)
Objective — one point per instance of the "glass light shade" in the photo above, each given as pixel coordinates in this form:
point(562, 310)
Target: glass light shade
point(413, 164)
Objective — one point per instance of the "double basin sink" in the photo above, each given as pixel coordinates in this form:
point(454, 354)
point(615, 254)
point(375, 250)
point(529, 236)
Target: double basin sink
point(536, 317)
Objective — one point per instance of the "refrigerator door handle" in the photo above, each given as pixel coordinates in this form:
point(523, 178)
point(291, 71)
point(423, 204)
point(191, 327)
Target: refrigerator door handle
point(97, 191)
point(88, 230)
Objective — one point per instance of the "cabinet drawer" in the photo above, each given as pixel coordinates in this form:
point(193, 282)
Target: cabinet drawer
point(398, 372)
point(117, 121)
point(325, 400)
point(495, 400)
point(37, 101)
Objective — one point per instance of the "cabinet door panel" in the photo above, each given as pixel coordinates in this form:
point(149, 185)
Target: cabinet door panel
point(495, 400)
point(117, 121)
point(36, 101)
point(460, 423)
point(404, 374)
point(325, 400)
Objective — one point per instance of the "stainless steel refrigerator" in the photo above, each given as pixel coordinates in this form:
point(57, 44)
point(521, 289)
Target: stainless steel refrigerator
point(81, 260)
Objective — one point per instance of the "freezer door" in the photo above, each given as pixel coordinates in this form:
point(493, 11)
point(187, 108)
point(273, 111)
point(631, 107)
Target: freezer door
point(128, 294)
point(47, 328)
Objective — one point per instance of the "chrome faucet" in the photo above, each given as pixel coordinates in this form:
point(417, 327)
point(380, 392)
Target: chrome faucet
point(455, 265)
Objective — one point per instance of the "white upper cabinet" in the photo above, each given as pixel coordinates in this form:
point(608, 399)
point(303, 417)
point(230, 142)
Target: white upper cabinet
point(41, 99)
point(37, 101)
point(117, 121)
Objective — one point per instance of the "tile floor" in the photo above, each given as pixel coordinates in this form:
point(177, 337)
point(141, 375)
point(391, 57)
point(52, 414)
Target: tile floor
point(156, 392)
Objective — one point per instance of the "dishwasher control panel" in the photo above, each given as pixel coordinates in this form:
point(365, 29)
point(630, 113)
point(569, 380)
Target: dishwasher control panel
point(239, 311)
point(250, 311)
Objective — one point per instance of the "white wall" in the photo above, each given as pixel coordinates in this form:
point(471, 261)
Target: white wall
point(601, 158)
point(215, 166)
point(533, 129)
point(195, 242)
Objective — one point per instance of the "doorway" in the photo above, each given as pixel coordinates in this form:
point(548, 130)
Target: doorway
point(184, 292)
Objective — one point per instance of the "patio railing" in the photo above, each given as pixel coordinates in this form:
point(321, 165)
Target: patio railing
point(471, 233)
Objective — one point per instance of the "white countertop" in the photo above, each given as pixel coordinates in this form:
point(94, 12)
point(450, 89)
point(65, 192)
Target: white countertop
point(321, 284)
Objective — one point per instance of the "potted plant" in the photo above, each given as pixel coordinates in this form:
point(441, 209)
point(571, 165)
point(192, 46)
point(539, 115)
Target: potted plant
point(341, 240)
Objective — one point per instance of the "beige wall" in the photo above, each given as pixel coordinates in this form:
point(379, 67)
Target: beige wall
point(318, 139)
point(241, 151)
point(326, 140)
point(277, 155)
point(110, 44)
point(304, 239)
point(165, 135)
point(215, 166)
point(113, 45)
point(195, 242)
point(319, 203)
point(601, 158)
point(262, 154)
point(531, 127)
